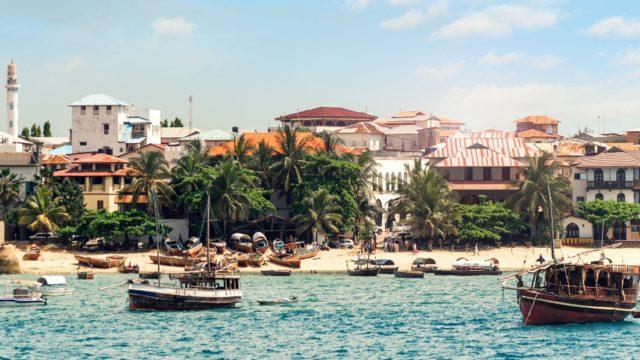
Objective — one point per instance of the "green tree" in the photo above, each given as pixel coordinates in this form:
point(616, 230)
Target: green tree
point(42, 213)
point(288, 162)
point(151, 172)
point(177, 122)
point(164, 123)
point(260, 162)
point(9, 191)
point(539, 178)
point(70, 195)
point(430, 203)
point(330, 144)
point(25, 133)
point(46, 130)
point(488, 221)
point(320, 213)
point(188, 180)
point(34, 130)
point(608, 213)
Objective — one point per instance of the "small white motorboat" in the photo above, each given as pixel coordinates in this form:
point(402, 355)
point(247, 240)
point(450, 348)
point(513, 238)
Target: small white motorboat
point(280, 301)
point(22, 295)
point(53, 285)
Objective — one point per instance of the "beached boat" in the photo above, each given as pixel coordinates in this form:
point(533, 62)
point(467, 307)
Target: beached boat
point(426, 265)
point(307, 251)
point(33, 252)
point(241, 242)
point(220, 246)
point(464, 267)
point(260, 243)
point(277, 246)
point(288, 260)
point(128, 269)
point(253, 259)
point(52, 285)
point(172, 247)
point(108, 262)
point(387, 266)
point(179, 261)
point(364, 267)
point(276, 272)
point(22, 295)
point(409, 274)
point(280, 301)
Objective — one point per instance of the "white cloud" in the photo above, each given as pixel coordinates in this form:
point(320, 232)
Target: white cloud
point(540, 61)
point(491, 58)
point(173, 26)
point(439, 72)
point(629, 57)
point(358, 4)
point(404, 2)
point(615, 26)
point(411, 18)
point(498, 20)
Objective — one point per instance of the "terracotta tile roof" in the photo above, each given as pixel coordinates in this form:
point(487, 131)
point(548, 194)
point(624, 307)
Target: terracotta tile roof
point(615, 159)
point(75, 171)
point(271, 139)
point(361, 128)
point(478, 156)
point(408, 114)
point(511, 147)
point(16, 159)
point(328, 113)
point(537, 119)
point(100, 159)
point(534, 133)
point(54, 160)
point(444, 120)
point(481, 185)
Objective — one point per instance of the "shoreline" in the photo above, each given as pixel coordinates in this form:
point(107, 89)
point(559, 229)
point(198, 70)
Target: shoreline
point(332, 261)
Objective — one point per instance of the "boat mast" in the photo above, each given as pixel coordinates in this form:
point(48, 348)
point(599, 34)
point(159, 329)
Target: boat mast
point(208, 226)
point(154, 199)
point(553, 254)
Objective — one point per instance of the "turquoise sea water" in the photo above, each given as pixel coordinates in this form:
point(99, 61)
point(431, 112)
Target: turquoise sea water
point(339, 317)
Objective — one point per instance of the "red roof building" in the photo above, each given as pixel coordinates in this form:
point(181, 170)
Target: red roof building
point(325, 118)
point(542, 123)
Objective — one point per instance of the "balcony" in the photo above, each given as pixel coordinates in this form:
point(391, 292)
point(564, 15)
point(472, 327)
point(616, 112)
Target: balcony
point(611, 184)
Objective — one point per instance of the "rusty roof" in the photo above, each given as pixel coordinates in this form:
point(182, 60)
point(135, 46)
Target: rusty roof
point(537, 119)
point(534, 133)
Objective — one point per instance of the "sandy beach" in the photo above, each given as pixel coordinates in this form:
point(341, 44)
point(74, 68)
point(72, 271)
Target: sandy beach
point(511, 259)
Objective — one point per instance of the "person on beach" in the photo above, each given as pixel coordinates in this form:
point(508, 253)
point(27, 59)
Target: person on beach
point(415, 248)
point(475, 250)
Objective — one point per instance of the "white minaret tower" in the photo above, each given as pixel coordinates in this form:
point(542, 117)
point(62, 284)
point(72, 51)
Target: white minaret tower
point(12, 99)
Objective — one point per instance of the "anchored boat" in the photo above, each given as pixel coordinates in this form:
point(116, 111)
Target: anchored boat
point(22, 295)
point(464, 267)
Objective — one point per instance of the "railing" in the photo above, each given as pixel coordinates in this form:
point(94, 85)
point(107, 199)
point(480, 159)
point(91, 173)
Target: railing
point(97, 187)
point(611, 184)
point(593, 292)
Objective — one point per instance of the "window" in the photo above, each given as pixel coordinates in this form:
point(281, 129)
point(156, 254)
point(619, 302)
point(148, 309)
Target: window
point(10, 106)
point(580, 199)
point(108, 109)
point(580, 176)
point(620, 176)
point(506, 173)
point(105, 129)
point(83, 143)
point(598, 176)
point(599, 196)
point(468, 175)
point(486, 173)
point(572, 231)
point(621, 198)
point(100, 204)
point(96, 110)
point(83, 110)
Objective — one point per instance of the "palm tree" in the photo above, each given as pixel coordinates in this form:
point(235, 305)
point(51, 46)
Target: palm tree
point(241, 149)
point(321, 213)
point(9, 191)
point(42, 213)
point(261, 161)
point(228, 190)
point(539, 178)
point(287, 166)
point(151, 172)
point(331, 143)
point(185, 177)
point(430, 204)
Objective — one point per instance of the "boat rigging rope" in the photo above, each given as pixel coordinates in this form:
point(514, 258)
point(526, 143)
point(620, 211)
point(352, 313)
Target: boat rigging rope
point(531, 309)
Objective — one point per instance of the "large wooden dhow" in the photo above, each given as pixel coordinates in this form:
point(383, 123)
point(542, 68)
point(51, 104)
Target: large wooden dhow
point(106, 263)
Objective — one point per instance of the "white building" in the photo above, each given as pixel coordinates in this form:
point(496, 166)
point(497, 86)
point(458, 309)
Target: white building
point(101, 123)
point(23, 164)
point(10, 143)
point(12, 99)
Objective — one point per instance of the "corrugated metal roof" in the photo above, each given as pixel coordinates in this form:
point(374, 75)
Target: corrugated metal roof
point(368, 127)
point(512, 147)
point(479, 157)
point(177, 132)
point(98, 99)
point(534, 133)
point(62, 150)
point(212, 135)
point(615, 159)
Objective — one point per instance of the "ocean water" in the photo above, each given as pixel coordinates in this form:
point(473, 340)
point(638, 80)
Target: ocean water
point(338, 317)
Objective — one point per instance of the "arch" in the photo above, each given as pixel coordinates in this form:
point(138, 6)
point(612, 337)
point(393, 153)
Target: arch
point(378, 213)
point(621, 198)
point(380, 188)
point(572, 231)
point(598, 175)
point(619, 231)
point(620, 176)
point(387, 182)
point(599, 196)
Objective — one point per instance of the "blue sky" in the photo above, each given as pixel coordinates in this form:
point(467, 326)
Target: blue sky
point(247, 62)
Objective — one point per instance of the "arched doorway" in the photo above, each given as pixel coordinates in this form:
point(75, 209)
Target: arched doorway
point(620, 176)
point(598, 176)
point(378, 216)
point(572, 231)
point(619, 231)
point(599, 196)
point(621, 197)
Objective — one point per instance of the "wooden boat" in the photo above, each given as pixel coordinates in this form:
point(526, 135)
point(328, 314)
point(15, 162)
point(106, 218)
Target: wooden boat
point(253, 259)
point(260, 243)
point(409, 274)
point(287, 260)
point(220, 246)
point(85, 275)
point(364, 267)
point(109, 262)
point(241, 242)
point(307, 252)
point(148, 275)
point(128, 269)
point(179, 261)
point(387, 266)
point(464, 267)
point(280, 301)
point(33, 252)
point(196, 251)
point(277, 246)
point(22, 295)
point(172, 247)
point(276, 272)
point(426, 265)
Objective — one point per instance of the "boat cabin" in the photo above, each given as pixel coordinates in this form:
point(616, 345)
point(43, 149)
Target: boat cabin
point(209, 281)
point(592, 281)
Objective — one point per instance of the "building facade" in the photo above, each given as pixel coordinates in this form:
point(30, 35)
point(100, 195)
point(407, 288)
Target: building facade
point(324, 118)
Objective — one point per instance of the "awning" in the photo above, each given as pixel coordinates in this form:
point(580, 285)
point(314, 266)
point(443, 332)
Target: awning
point(52, 280)
point(482, 186)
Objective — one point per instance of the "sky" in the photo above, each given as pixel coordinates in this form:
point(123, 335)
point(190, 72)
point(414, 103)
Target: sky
point(246, 62)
